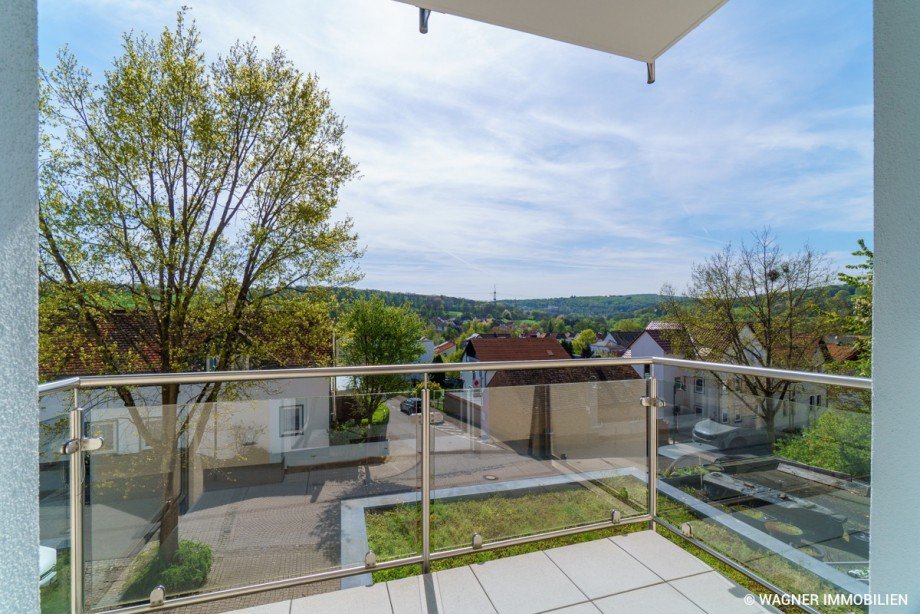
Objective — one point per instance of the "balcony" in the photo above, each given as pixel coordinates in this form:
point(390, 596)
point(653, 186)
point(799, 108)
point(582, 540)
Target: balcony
point(539, 494)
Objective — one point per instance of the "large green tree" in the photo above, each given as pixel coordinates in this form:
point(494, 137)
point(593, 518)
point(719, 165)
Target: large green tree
point(752, 305)
point(376, 334)
point(196, 196)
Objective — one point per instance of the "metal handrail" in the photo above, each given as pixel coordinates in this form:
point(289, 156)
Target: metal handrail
point(156, 379)
point(62, 384)
point(810, 377)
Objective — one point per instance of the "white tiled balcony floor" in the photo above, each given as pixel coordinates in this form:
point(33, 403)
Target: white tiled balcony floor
point(638, 572)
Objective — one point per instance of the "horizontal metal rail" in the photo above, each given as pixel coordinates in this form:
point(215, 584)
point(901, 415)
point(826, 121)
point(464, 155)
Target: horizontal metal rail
point(262, 587)
point(156, 379)
point(62, 384)
point(538, 537)
point(827, 379)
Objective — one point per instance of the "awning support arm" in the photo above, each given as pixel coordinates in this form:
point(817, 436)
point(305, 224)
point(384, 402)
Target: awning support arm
point(423, 15)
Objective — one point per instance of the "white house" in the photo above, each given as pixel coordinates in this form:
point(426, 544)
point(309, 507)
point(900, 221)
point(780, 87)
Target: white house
point(720, 397)
point(427, 354)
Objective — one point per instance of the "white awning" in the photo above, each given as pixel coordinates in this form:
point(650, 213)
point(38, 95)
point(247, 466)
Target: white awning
point(637, 29)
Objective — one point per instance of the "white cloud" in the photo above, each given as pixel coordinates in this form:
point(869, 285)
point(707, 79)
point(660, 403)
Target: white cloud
point(494, 157)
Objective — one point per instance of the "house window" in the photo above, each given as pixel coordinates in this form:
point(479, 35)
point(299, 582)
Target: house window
point(291, 420)
point(725, 417)
point(698, 409)
point(737, 418)
point(698, 385)
point(108, 430)
point(678, 383)
point(211, 363)
point(814, 400)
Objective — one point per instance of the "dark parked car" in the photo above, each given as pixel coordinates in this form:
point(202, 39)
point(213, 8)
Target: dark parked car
point(412, 405)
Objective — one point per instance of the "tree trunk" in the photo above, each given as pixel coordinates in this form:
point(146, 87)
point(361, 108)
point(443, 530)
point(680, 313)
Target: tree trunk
point(769, 419)
point(540, 443)
point(169, 522)
point(169, 454)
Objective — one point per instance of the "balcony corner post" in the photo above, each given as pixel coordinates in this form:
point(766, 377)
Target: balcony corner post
point(652, 421)
point(426, 476)
point(77, 470)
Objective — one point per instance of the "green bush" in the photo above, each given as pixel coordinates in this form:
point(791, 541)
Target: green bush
point(839, 441)
point(188, 571)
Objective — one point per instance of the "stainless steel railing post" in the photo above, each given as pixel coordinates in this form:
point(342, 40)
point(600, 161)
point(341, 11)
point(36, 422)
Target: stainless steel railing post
point(76, 507)
point(652, 446)
point(426, 477)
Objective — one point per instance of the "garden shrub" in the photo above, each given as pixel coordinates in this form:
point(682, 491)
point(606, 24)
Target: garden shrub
point(188, 571)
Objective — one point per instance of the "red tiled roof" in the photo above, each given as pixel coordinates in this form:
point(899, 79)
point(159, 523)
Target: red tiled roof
point(133, 338)
point(443, 347)
point(515, 348)
point(533, 377)
point(130, 336)
point(842, 353)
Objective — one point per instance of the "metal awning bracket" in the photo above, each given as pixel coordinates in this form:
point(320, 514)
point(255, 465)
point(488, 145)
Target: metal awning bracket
point(423, 15)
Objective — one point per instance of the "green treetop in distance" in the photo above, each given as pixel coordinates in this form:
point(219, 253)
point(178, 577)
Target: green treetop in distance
point(374, 333)
point(581, 344)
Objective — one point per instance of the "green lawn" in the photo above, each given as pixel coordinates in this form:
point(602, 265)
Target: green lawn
point(394, 532)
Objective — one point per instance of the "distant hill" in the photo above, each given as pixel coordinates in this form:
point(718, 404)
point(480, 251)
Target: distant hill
point(617, 306)
point(586, 306)
point(643, 307)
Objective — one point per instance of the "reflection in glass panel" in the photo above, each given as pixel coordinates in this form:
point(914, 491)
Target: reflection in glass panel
point(780, 484)
point(533, 451)
point(240, 486)
point(54, 501)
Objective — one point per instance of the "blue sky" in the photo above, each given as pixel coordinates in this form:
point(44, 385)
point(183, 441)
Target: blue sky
point(492, 157)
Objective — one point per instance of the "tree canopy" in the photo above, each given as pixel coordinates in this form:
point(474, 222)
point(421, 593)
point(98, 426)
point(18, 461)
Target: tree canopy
point(753, 305)
point(376, 334)
point(194, 196)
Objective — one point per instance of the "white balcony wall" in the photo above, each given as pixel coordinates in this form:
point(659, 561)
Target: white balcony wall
point(18, 306)
point(895, 545)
